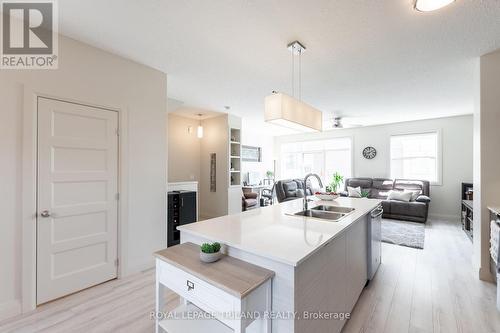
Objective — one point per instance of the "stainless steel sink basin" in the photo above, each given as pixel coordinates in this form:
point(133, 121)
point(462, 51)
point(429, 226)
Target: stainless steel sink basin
point(319, 214)
point(336, 209)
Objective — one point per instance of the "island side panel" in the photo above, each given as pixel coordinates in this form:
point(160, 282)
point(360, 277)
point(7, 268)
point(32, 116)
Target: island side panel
point(332, 280)
point(282, 285)
point(357, 260)
point(321, 286)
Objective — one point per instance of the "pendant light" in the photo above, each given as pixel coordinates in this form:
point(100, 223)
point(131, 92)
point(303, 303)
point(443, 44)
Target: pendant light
point(289, 111)
point(431, 5)
point(199, 132)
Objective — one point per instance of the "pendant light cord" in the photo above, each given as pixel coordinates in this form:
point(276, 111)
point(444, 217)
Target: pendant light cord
point(293, 72)
point(299, 51)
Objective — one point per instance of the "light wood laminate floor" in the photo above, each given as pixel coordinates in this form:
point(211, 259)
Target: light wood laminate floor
point(415, 291)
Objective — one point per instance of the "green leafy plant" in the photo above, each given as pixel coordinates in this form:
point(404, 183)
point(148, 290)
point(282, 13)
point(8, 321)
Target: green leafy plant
point(365, 193)
point(334, 185)
point(269, 174)
point(210, 248)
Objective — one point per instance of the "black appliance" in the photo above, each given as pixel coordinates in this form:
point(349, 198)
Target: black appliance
point(181, 210)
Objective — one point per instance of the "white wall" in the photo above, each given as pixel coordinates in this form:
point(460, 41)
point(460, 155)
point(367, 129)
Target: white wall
point(255, 134)
point(215, 140)
point(88, 75)
point(487, 165)
point(457, 155)
point(183, 149)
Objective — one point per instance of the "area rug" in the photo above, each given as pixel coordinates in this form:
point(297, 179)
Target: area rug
point(403, 233)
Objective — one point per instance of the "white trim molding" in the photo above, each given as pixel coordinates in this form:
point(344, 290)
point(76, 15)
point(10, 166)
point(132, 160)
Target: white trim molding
point(439, 153)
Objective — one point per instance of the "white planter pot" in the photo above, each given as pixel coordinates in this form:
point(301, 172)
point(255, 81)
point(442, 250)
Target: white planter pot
point(210, 257)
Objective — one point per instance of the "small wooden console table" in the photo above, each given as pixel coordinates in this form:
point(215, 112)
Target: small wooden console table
point(213, 295)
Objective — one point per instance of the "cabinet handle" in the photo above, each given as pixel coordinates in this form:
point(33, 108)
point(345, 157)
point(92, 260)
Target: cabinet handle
point(182, 202)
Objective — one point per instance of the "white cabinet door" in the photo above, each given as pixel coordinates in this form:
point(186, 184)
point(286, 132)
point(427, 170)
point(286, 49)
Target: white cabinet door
point(77, 197)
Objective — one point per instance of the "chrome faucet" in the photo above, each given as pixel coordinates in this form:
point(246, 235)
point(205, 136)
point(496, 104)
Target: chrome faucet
point(306, 201)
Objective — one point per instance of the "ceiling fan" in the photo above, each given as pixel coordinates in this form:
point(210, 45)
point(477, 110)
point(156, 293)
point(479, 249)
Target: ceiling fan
point(337, 121)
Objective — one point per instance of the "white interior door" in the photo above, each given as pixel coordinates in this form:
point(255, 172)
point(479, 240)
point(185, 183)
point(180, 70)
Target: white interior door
point(77, 198)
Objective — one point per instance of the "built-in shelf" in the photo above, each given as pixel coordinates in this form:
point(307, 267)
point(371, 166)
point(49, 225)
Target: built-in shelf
point(467, 210)
point(235, 157)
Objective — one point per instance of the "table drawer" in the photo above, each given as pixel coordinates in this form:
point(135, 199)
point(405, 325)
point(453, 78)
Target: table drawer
point(197, 291)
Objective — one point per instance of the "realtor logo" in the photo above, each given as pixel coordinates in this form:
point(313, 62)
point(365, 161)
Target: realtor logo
point(29, 35)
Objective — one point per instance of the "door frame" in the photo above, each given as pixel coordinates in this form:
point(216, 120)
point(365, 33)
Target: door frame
point(28, 258)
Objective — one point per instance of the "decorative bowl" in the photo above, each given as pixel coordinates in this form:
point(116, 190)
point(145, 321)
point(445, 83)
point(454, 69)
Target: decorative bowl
point(326, 196)
point(210, 257)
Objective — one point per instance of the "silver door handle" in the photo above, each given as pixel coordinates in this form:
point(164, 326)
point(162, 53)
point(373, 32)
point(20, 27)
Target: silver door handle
point(45, 213)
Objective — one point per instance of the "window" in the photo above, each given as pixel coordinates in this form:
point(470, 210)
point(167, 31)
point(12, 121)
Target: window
point(324, 157)
point(416, 156)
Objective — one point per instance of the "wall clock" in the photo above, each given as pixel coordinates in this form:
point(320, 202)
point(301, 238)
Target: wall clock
point(369, 153)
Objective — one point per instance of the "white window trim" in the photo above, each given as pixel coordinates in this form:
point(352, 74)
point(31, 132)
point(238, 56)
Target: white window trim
point(439, 153)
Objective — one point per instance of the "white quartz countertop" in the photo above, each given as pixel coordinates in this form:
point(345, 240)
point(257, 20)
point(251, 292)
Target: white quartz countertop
point(269, 232)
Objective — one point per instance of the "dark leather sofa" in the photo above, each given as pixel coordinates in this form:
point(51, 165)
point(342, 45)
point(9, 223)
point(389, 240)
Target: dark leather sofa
point(378, 188)
point(291, 189)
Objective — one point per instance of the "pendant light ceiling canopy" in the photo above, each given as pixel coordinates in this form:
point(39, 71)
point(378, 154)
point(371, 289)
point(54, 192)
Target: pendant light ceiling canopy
point(431, 5)
point(287, 111)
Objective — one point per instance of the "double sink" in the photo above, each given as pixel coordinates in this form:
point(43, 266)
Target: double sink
point(328, 213)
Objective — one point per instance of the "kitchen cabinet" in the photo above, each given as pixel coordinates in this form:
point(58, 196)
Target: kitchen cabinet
point(187, 207)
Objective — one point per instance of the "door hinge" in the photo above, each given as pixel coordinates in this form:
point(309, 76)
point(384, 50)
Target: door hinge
point(117, 262)
point(117, 196)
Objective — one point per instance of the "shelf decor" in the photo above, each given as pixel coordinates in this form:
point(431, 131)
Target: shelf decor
point(213, 172)
point(251, 154)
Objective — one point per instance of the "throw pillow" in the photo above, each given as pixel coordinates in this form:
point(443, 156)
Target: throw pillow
point(399, 196)
point(423, 198)
point(414, 194)
point(354, 192)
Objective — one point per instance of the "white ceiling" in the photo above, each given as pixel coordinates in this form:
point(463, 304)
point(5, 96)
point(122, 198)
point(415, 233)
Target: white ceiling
point(376, 61)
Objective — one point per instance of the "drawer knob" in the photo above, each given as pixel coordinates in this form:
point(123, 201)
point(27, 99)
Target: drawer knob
point(190, 285)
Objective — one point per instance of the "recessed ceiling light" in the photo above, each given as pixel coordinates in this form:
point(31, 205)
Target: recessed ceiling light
point(430, 5)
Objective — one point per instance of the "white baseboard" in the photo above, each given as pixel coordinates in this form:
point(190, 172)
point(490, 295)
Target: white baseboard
point(10, 309)
point(446, 217)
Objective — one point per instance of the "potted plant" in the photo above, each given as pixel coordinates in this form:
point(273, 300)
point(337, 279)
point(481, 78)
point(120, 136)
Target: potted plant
point(334, 185)
point(365, 194)
point(331, 189)
point(210, 252)
point(269, 174)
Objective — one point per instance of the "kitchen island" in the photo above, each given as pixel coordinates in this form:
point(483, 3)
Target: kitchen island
point(320, 265)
